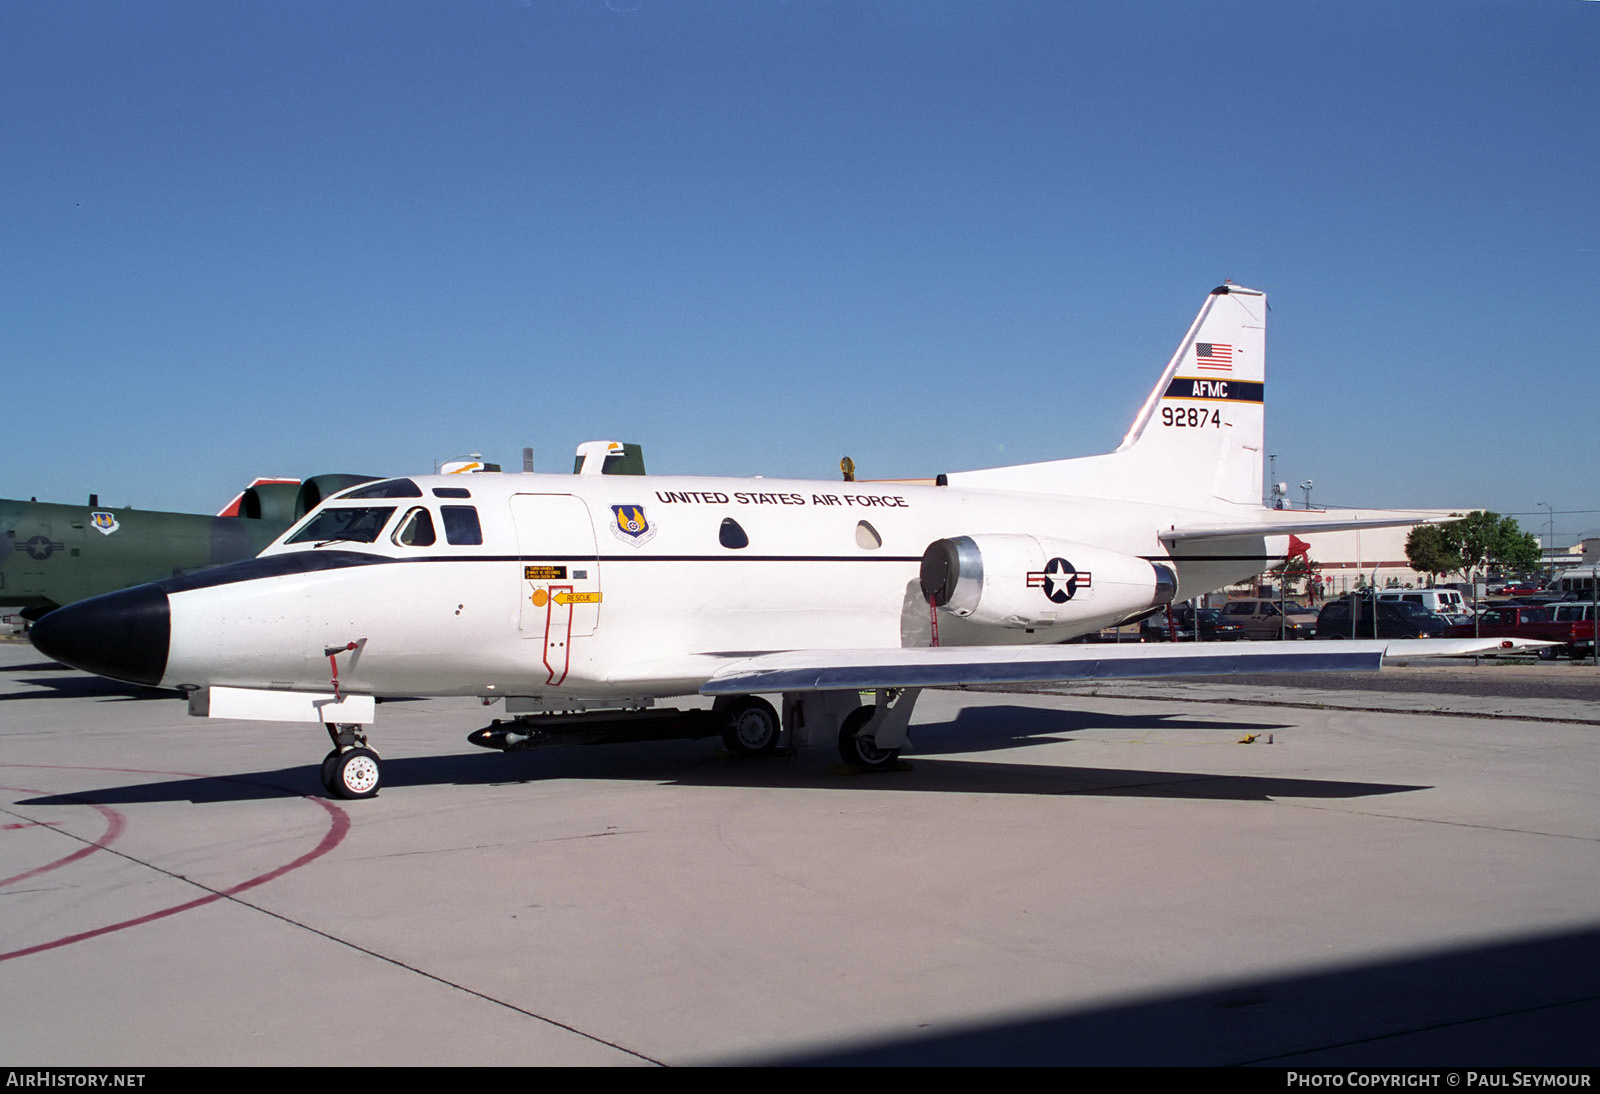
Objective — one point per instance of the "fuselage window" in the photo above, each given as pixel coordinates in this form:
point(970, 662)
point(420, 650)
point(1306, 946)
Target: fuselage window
point(451, 492)
point(867, 537)
point(356, 524)
point(388, 488)
point(416, 530)
point(461, 526)
point(731, 535)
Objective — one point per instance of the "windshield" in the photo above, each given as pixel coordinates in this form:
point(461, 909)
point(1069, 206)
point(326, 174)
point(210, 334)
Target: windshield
point(355, 524)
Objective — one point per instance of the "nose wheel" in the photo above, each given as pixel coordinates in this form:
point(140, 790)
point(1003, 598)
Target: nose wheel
point(351, 770)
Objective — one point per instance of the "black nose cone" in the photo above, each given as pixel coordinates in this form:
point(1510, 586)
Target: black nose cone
point(123, 635)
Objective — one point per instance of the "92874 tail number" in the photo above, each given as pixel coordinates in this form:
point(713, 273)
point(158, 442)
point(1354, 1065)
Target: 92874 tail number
point(1190, 417)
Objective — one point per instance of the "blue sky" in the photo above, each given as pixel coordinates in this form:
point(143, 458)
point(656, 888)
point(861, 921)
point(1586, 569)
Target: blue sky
point(288, 238)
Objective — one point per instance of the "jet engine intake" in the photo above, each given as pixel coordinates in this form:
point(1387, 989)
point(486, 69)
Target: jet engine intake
point(1025, 581)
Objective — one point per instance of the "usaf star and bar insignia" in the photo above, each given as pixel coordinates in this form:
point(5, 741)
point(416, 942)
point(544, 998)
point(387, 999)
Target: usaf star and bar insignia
point(1059, 580)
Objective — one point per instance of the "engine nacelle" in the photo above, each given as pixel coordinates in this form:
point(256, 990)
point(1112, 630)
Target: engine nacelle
point(1030, 581)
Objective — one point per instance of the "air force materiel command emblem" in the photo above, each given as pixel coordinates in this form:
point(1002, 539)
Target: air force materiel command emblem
point(1059, 580)
point(104, 523)
point(630, 526)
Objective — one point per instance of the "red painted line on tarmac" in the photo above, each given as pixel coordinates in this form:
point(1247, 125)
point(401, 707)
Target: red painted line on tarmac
point(338, 828)
point(115, 825)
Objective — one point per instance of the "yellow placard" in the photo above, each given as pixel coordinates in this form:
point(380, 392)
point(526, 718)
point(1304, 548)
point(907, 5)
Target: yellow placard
point(577, 598)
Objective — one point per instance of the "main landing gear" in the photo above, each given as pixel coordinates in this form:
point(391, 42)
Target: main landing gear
point(749, 724)
point(351, 770)
point(870, 737)
point(862, 752)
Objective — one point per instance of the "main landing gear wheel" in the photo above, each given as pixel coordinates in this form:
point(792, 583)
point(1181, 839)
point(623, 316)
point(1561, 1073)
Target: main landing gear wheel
point(353, 773)
point(861, 752)
point(750, 725)
point(327, 773)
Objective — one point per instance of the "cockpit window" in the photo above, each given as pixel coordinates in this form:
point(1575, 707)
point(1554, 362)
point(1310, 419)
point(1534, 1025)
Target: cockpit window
point(354, 524)
point(416, 530)
point(461, 526)
point(388, 488)
point(451, 492)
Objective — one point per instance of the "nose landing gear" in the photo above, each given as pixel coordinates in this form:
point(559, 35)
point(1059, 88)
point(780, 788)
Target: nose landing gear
point(351, 770)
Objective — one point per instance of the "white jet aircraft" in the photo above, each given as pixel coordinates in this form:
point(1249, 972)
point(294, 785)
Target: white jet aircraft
point(582, 599)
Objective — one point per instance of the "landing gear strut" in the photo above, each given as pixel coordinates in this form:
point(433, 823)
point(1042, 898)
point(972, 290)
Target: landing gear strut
point(352, 769)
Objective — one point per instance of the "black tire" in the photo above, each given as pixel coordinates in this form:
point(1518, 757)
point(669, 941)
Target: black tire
point(861, 753)
point(750, 725)
point(1549, 653)
point(357, 774)
point(328, 782)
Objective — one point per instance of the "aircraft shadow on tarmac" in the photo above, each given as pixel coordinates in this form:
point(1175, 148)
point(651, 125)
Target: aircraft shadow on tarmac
point(1510, 1004)
point(985, 728)
point(700, 763)
point(1520, 1003)
point(78, 686)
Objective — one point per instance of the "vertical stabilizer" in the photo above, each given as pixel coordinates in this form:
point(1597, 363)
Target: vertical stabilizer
point(1197, 439)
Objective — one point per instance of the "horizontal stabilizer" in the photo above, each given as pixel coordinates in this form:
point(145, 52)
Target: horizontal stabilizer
point(1282, 525)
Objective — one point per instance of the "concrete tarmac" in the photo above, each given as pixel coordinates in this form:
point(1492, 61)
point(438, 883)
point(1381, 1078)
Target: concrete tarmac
point(1084, 878)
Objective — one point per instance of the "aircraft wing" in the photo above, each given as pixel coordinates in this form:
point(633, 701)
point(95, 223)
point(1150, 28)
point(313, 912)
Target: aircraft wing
point(977, 666)
point(1285, 525)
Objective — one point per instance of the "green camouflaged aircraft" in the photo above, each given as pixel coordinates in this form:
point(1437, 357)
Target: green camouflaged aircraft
point(52, 555)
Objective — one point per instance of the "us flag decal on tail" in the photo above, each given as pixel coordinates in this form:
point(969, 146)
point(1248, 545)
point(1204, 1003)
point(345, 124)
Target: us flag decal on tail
point(1216, 356)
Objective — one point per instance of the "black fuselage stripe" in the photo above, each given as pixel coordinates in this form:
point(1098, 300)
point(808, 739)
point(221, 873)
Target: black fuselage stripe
point(1212, 558)
point(659, 558)
point(303, 562)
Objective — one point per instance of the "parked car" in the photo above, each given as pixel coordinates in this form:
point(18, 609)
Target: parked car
point(1580, 618)
point(1521, 588)
point(1209, 621)
point(1447, 602)
point(1574, 633)
point(1262, 618)
point(1395, 619)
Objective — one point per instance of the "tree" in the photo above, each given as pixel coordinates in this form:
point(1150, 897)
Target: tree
point(1293, 570)
point(1485, 539)
point(1466, 546)
point(1429, 550)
